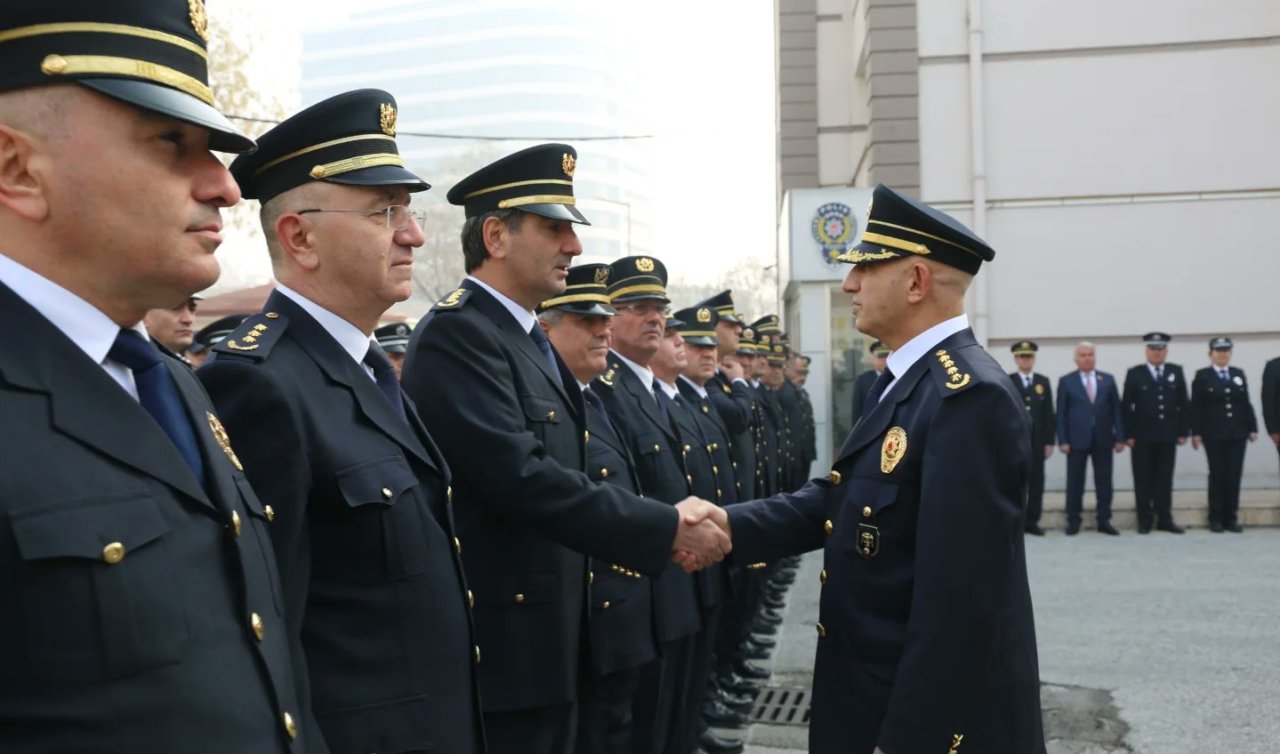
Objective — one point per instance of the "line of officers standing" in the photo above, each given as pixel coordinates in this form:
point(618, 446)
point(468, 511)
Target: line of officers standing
point(514, 549)
point(1152, 413)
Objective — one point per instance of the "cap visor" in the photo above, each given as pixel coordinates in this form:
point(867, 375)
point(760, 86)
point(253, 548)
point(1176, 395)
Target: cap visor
point(556, 212)
point(702, 340)
point(381, 175)
point(223, 137)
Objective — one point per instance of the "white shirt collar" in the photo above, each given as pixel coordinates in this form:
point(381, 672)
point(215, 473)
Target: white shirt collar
point(702, 391)
point(524, 317)
point(1152, 368)
point(903, 358)
point(84, 324)
point(1086, 376)
point(349, 337)
point(644, 373)
point(671, 390)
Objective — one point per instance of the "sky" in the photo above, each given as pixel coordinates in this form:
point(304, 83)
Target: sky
point(709, 66)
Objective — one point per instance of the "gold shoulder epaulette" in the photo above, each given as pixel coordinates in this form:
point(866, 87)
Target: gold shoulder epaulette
point(255, 336)
point(951, 371)
point(454, 300)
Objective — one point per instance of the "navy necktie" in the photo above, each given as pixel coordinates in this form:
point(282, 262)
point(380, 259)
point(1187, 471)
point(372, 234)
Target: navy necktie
point(1224, 375)
point(664, 404)
point(158, 394)
point(877, 390)
point(385, 375)
point(595, 403)
point(544, 345)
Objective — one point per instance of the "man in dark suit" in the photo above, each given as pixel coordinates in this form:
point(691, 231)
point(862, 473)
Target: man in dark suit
point(1157, 420)
point(926, 641)
point(798, 375)
point(1037, 397)
point(1222, 418)
point(363, 525)
point(510, 420)
point(621, 628)
point(862, 385)
point(141, 603)
point(1271, 400)
point(1090, 425)
point(768, 421)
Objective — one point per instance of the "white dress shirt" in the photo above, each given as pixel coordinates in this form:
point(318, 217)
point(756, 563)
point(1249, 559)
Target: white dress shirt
point(1026, 378)
point(644, 373)
point(349, 337)
point(523, 316)
point(702, 391)
point(903, 358)
point(91, 330)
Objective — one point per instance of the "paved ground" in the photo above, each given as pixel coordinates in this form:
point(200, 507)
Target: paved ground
point(1152, 644)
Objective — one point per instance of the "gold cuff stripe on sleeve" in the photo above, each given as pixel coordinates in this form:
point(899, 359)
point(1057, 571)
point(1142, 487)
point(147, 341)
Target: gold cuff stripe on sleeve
point(81, 65)
point(577, 298)
point(922, 233)
point(538, 182)
point(521, 201)
point(90, 27)
point(314, 147)
point(360, 162)
point(896, 243)
point(613, 295)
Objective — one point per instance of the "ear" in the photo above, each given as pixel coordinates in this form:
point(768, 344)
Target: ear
point(495, 234)
point(546, 327)
point(297, 240)
point(22, 175)
point(919, 282)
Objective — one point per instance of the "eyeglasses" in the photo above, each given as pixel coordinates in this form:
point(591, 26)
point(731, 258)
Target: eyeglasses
point(397, 215)
point(644, 310)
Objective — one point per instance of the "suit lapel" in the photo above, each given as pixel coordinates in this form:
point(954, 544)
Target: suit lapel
point(339, 367)
point(495, 311)
point(645, 400)
point(874, 424)
point(85, 403)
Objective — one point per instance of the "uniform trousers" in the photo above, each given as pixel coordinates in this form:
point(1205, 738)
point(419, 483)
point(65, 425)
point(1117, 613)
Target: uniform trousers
point(1226, 464)
point(1077, 461)
point(1153, 481)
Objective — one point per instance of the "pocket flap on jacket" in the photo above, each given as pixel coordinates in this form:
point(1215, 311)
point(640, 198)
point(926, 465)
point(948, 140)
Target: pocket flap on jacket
point(87, 527)
point(380, 481)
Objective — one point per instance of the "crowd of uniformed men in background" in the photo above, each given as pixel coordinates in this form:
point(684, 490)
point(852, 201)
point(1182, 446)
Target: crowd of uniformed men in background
point(1152, 413)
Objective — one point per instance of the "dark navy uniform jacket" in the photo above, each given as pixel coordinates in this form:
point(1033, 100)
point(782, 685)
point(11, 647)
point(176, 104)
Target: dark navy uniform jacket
point(1038, 400)
point(1156, 411)
point(1221, 410)
point(770, 436)
point(127, 589)
point(363, 533)
point(658, 451)
point(862, 386)
point(622, 619)
point(733, 402)
point(1271, 395)
point(926, 637)
point(704, 481)
point(513, 433)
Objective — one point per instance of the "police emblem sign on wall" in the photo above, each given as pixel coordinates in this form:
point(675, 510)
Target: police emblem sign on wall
point(835, 229)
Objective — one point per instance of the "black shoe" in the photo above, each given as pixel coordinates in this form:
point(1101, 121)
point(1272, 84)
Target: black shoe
point(736, 684)
point(774, 603)
point(738, 702)
point(1170, 527)
point(1215, 527)
point(751, 672)
point(771, 617)
point(1073, 529)
point(750, 652)
point(719, 716)
point(764, 629)
point(761, 641)
point(1033, 529)
point(1237, 528)
point(1107, 528)
point(713, 744)
point(1144, 528)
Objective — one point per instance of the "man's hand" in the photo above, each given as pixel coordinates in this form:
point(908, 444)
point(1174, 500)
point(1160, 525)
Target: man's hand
point(1195, 442)
point(732, 368)
point(1048, 451)
point(1120, 447)
point(1065, 448)
point(703, 535)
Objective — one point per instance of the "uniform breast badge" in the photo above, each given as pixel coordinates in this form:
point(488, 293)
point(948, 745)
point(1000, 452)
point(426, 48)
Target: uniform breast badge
point(1039, 389)
point(893, 449)
point(868, 541)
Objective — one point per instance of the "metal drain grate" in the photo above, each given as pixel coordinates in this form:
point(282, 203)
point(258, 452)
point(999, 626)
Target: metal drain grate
point(782, 706)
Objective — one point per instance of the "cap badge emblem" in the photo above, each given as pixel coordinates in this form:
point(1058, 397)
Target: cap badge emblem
point(602, 275)
point(387, 118)
point(704, 315)
point(644, 264)
point(199, 19)
point(569, 164)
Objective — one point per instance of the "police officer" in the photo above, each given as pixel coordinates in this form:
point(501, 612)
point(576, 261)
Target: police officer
point(862, 385)
point(1037, 397)
point(578, 323)
point(509, 418)
point(1222, 418)
point(925, 634)
point(730, 393)
point(358, 491)
point(171, 327)
point(394, 340)
point(211, 335)
point(141, 607)
point(1271, 400)
point(1157, 419)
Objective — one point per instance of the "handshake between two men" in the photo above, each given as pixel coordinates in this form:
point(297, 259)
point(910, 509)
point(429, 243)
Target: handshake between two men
point(702, 538)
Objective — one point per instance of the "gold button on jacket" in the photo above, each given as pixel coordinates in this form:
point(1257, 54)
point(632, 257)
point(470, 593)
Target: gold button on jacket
point(113, 553)
point(290, 726)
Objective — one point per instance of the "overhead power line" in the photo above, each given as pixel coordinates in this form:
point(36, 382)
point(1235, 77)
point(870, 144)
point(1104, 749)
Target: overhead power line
point(465, 137)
